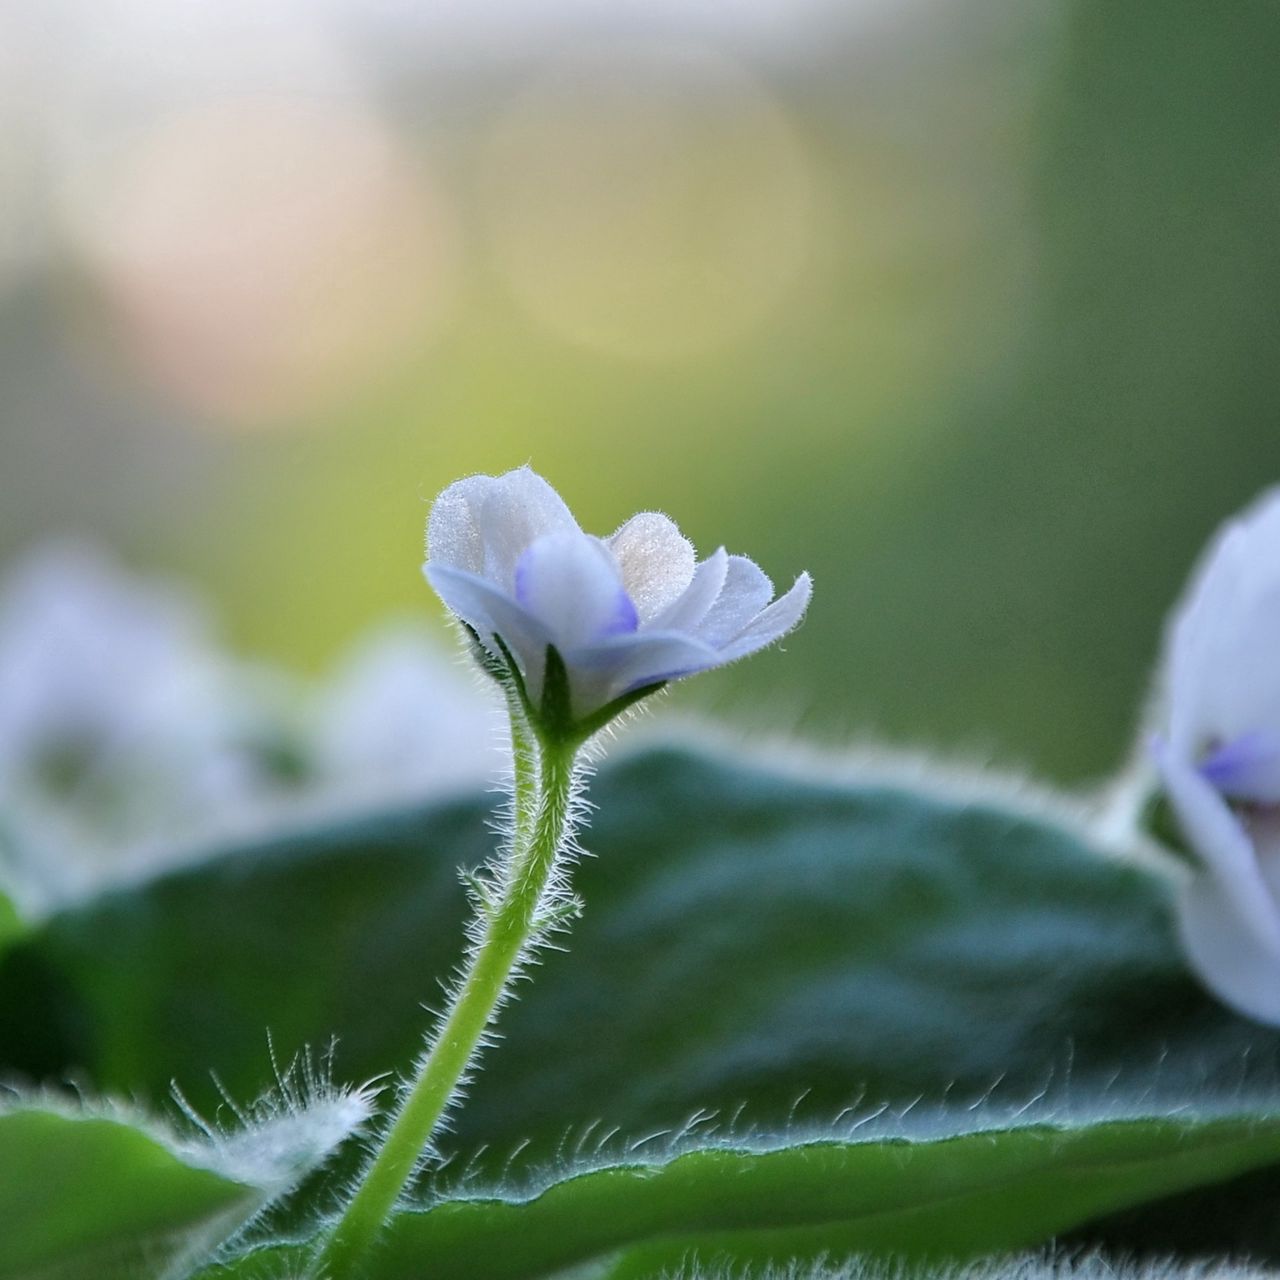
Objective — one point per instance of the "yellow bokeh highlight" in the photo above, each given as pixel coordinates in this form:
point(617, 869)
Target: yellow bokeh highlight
point(645, 199)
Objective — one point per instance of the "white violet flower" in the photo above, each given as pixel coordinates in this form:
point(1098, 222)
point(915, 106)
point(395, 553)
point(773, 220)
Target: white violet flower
point(1219, 759)
point(402, 720)
point(622, 614)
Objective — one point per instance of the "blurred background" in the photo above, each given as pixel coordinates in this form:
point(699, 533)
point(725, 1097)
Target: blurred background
point(970, 307)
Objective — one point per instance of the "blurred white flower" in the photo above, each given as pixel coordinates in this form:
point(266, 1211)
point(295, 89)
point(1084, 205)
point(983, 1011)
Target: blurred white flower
point(1219, 759)
point(400, 720)
point(121, 725)
point(624, 613)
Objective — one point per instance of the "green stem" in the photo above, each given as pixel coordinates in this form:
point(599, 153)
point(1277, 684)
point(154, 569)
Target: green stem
point(524, 783)
point(507, 933)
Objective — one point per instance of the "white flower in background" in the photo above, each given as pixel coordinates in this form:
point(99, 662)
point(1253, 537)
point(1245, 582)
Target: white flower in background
point(131, 743)
point(122, 727)
point(401, 720)
point(624, 613)
point(1219, 758)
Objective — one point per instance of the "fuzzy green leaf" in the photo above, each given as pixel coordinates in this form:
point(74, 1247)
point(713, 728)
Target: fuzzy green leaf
point(751, 943)
point(921, 1187)
point(86, 1195)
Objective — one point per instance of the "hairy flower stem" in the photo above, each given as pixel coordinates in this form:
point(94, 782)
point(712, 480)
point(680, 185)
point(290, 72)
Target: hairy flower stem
point(542, 804)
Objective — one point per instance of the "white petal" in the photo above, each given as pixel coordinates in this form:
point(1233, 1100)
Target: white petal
point(608, 670)
point(483, 523)
point(453, 528)
point(489, 612)
point(520, 508)
point(656, 561)
point(686, 612)
point(656, 657)
point(571, 583)
point(1223, 677)
point(746, 591)
point(1230, 961)
point(774, 623)
point(1222, 842)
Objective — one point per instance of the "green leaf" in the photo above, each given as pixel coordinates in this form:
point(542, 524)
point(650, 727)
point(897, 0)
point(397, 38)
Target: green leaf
point(87, 1195)
point(96, 1189)
point(11, 921)
point(749, 940)
point(747, 937)
point(962, 1192)
point(11, 925)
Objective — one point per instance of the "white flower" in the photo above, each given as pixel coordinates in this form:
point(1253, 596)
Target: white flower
point(402, 720)
point(624, 613)
point(123, 729)
point(1219, 758)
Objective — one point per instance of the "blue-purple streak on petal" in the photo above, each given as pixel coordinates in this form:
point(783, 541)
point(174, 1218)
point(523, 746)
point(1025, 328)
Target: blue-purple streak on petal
point(625, 619)
point(1223, 844)
point(660, 678)
point(571, 582)
point(487, 610)
point(626, 663)
point(1247, 767)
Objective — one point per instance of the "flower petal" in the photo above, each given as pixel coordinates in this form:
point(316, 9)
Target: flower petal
point(453, 528)
point(773, 623)
point(689, 609)
point(746, 591)
point(656, 561)
point(1247, 767)
point(1223, 677)
point(656, 657)
point(1230, 961)
point(624, 663)
point(1218, 836)
point(571, 583)
point(489, 612)
point(483, 523)
point(520, 508)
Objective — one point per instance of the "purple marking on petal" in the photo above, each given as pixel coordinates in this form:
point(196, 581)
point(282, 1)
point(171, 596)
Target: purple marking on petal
point(597, 618)
point(1247, 767)
point(625, 619)
point(661, 678)
point(522, 578)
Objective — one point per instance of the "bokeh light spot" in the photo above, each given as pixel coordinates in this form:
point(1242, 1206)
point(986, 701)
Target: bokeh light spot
point(648, 200)
point(260, 257)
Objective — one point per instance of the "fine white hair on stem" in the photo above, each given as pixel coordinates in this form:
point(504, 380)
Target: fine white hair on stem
point(487, 886)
